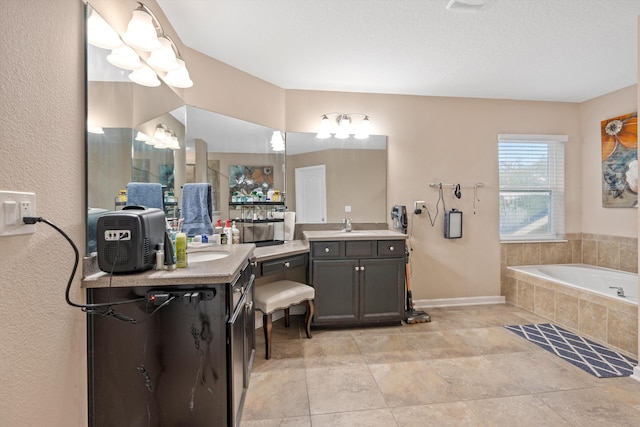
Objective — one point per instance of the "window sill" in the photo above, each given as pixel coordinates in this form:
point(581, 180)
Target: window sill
point(535, 241)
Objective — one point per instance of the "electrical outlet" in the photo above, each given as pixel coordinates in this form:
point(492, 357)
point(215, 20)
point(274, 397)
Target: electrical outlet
point(418, 205)
point(16, 205)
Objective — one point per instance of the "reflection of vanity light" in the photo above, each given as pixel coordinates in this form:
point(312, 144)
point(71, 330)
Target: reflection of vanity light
point(144, 76)
point(164, 59)
point(345, 128)
point(141, 136)
point(100, 34)
point(277, 142)
point(124, 57)
point(95, 130)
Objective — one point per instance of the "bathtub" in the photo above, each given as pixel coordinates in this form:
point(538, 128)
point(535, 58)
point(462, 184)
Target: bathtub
point(599, 280)
point(578, 297)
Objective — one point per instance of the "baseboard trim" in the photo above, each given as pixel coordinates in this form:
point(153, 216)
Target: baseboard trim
point(455, 302)
point(636, 373)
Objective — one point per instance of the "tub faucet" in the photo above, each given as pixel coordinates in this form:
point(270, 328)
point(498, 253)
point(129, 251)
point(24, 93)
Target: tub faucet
point(619, 291)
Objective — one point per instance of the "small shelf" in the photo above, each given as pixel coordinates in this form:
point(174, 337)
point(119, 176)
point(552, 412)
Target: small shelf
point(266, 229)
point(267, 203)
point(256, 221)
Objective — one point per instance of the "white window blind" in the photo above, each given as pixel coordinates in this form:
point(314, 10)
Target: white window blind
point(531, 173)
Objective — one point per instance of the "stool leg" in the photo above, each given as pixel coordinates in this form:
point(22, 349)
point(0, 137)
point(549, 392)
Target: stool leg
point(308, 316)
point(267, 326)
point(286, 317)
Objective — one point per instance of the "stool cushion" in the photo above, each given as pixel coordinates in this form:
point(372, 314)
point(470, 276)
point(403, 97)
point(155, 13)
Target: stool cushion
point(281, 294)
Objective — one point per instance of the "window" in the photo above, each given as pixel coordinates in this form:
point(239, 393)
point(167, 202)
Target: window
point(531, 173)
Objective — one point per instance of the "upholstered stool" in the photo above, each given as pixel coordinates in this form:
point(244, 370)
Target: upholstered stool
point(279, 295)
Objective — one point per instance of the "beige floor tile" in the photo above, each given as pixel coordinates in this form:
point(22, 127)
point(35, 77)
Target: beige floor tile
point(521, 411)
point(541, 371)
point(370, 418)
point(276, 394)
point(341, 389)
point(339, 351)
point(279, 422)
point(494, 340)
point(592, 407)
point(284, 355)
point(453, 414)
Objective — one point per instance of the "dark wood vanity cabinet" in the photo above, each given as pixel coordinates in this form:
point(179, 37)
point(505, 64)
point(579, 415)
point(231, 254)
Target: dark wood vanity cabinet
point(358, 282)
point(186, 364)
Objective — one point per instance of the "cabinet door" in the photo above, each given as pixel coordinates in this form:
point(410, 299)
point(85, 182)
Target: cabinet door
point(382, 289)
point(336, 299)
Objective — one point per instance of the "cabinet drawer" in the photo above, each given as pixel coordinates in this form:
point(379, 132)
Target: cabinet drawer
point(391, 248)
point(276, 266)
point(360, 248)
point(327, 249)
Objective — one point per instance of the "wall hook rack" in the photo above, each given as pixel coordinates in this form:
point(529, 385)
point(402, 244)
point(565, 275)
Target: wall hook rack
point(443, 185)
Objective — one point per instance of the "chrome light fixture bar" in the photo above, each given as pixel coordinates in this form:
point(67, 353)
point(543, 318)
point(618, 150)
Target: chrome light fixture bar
point(344, 129)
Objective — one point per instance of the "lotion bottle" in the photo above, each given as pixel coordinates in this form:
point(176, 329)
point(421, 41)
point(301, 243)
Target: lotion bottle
point(181, 250)
point(235, 233)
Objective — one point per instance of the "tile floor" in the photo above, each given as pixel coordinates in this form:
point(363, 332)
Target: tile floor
point(462, 369)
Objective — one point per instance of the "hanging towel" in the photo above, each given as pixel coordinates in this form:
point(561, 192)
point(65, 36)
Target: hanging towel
point(196, 209)
point(145, 194)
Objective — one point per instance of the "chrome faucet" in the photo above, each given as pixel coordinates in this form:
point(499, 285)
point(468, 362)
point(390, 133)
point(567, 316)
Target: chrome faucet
point(346, 224)
point(619, 291)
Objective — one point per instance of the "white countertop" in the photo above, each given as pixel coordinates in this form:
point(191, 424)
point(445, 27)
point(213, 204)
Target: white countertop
point(292, 247)
point(354, 235)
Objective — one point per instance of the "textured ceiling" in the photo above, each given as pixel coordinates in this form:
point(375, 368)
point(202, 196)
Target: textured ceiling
point(557, 50)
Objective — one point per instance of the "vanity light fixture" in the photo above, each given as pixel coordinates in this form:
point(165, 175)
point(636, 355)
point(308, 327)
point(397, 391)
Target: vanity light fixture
point(141, 33)
point(141, 136)
point(144, 33)
point(163, 137)
point(344, 126)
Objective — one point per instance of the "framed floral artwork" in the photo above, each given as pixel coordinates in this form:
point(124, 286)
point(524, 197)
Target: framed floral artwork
point(619, 138)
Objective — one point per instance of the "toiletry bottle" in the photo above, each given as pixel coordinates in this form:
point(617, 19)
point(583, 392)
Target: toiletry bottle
point(218, 228)
point(160, 257)
point(235, 232)
point(181, 250)
point(227, 232)
point(169, 252)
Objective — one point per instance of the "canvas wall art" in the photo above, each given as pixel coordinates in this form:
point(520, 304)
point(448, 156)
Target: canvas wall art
point(619, 138)
point(243, 180)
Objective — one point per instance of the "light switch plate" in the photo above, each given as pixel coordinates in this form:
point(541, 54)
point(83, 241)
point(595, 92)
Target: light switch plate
point(15, 205)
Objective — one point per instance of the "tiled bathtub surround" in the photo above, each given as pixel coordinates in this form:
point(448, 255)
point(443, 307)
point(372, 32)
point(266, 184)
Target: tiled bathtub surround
point(610, 322)
point(619, 253)
point(605, 320)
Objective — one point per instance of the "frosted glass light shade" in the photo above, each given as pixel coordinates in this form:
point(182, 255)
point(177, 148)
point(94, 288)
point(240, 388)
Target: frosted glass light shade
point(144, 76)
point(323, 132)
point(141, 34)
point(100, 34)
point(344, 123)
point(124, 57)
point(141, 136)
point(179, 77)
point(163, 59)
point(363, 130)
point(277, 142)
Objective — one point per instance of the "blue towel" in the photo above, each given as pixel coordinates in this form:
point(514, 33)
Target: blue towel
point(145, 194)
point(197, 209)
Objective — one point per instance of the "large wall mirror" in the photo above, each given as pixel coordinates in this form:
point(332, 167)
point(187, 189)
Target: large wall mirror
point(330, 179)
point(213, 148)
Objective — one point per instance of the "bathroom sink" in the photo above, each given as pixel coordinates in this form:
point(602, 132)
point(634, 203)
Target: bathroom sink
point(205, 256)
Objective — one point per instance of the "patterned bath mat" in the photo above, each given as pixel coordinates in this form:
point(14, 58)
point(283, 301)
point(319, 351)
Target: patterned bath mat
point(583, 353)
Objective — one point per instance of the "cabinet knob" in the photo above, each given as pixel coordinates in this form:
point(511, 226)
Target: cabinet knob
point(362, 268)
point(357, 268)
point(254, 264)
point(326, 250)
point(287, 264)
point(249, 305)
point(391, 248)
